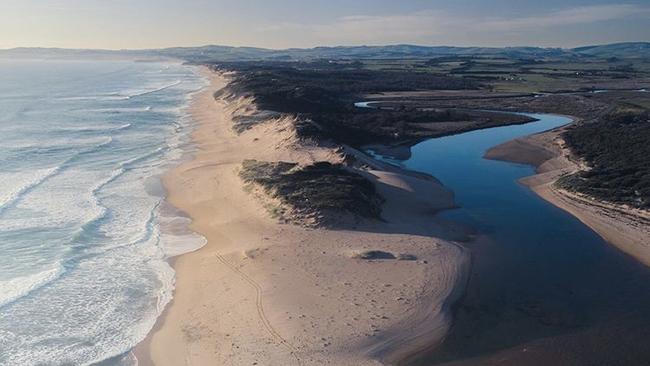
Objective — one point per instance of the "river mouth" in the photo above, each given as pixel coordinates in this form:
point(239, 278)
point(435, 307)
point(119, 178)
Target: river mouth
point(544, 289)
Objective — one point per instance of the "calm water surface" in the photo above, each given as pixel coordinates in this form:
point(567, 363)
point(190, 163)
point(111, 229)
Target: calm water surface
point(544, 289)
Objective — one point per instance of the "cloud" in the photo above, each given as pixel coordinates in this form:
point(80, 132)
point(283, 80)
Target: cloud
point(441, 27)
point(569, 16)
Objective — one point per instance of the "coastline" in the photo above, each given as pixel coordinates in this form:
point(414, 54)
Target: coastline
point(625, 228)
point(263, 292)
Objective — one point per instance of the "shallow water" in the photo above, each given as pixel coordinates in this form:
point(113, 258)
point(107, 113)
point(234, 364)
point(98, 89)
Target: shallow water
point(83, 270)
point(544, 289)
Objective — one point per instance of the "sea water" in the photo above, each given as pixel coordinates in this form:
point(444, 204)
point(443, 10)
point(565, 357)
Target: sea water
point(83, 238)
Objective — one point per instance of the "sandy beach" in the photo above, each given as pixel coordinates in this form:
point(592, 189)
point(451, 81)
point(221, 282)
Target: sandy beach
point(262, 292)
point(626, 228)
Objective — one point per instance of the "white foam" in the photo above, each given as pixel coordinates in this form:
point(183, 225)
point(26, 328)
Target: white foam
point(100, 128)
point(119, 110)
point(64, 200)
point(18, 287)
point(175, 242)
point(90, 275)
point(105, 306)
point(134, 94)
point(123, 127)
point(13, 186)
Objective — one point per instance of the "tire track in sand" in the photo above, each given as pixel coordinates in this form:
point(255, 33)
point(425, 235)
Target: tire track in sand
point(260, 309)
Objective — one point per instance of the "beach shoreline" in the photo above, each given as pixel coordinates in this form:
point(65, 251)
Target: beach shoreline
point(625, 228)
point(268, 293)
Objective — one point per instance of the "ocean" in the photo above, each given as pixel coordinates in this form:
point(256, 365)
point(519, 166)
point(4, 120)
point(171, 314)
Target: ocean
point(85, 233)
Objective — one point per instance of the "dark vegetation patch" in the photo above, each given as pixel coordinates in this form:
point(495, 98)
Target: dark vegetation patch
point(573, 105)
point(409, 124)
point(376, 255)
point(617, 147)
point(324, 95)
point(311, 88)
point(370, 255)
point(315, 189)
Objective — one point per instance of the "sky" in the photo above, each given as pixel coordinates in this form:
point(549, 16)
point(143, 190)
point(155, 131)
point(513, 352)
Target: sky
point(137, 24)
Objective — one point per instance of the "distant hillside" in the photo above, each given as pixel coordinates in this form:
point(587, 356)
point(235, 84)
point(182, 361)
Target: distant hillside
point(222, 53)
point(227, 53)
point(620, 50)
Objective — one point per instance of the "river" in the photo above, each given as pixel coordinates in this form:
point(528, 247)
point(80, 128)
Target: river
point(544, 289)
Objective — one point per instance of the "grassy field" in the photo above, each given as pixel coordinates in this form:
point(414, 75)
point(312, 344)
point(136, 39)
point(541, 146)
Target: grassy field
point(525, 75)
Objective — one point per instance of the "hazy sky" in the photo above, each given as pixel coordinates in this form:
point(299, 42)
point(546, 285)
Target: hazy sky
point(305, 23)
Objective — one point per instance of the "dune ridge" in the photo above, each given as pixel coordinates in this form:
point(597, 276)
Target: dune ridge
point(269, 293)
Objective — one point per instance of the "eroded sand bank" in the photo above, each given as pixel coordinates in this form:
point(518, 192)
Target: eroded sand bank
point(625, 227)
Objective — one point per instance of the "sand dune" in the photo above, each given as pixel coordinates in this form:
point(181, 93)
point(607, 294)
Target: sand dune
point(261, 292)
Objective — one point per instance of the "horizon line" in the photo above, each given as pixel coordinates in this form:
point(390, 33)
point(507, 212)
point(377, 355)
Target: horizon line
point(310, 48)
